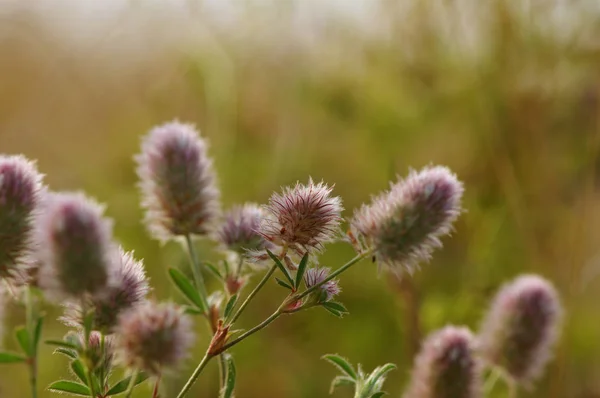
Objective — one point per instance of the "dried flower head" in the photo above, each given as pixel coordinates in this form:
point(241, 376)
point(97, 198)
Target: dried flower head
point(76, 251)
point(522, 327)
point(404, 225)
point(302, 218)
point(177, 182)
point(328, 290)
point(446, 366)
point(20, 195)
point(239, 230)
point(129, 290)
point(154, 337)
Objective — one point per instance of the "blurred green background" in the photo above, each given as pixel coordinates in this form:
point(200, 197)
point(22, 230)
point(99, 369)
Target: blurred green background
point(506, 93)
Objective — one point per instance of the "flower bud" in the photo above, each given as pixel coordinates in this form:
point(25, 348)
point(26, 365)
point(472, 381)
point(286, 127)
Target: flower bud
point(446, 366)
point(404, 225)
point(76, 251)
point(129, 290)
point(302, 218)
point(239, 231)
point(177, 182)
point(99, 357)
point(154, 337)
point(325, 292)
point(20, 195)
point(521, 327)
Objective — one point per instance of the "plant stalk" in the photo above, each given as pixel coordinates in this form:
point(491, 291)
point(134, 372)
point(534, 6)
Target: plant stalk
point(188, 385)
point(197, 271)
point(253, 293)
point(131, 385)
point(31, 325)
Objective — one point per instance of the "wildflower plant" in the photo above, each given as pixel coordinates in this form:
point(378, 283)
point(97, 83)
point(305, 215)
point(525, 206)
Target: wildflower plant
point(118, 337)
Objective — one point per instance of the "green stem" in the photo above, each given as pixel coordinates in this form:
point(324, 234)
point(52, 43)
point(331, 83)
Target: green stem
point(31, 325)
point(86, 344)
point(199, 279)
point(186, 388)
point(156, 387)
point(253, 293)
point(491, 381)
point(338, 271)
point(255, 329)
point(222, 371)
point(131, 385)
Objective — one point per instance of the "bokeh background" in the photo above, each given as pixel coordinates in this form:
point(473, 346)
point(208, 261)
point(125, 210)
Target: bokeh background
point(506, 93)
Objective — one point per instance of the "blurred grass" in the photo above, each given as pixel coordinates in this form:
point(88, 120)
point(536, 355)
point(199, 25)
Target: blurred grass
point(505, 93)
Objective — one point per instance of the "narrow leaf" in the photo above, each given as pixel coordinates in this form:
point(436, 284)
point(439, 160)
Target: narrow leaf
point(213, 270)
point(186, 287)
point(64, 344)
point(22, 336)
point(70, 387)
point(192, 311)
point(342, 364)
point(339, 307)
point(79, 371)
point(334, 312)
point(283, 284)
point(227, 391)
point(339, 381)
point(281, 267)
point(37, 334)
point(66, 352)
point(122, 385)
point(378, 394)
point(11, 357)
point(230, 306)
point(376, 378)
point(301, 270)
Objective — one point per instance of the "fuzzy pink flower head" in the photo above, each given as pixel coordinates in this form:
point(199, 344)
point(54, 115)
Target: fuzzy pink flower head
point(154, 337)
point(129, 290)
point(446, 366)
point(522, 327)
point(404, 225)
point(177, 182)
point(328, 290)
point(302, 218)
point(239, 230)
point(76, 251)
point(20, 195)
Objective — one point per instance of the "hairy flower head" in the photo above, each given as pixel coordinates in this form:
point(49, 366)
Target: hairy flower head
point(239, 230)
point(404, 225)
point(154, 337)
point(446, 366)
point(521, 327)
point(177, 182)
point(129, 290)
point(76, 251)
point(303, 217)
point(20, 195)
point(328, 290)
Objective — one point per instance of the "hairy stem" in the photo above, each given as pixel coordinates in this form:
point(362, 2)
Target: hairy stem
point(409, 293)
point(197, 271)
point(186, 388)
point(131, 385)
point(31, 325)
point(253, 293)
point(156, 387)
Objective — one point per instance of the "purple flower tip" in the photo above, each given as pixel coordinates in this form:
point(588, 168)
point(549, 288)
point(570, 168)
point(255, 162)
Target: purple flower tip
point(154, 337)
point(20, 195)
point(446, 367)
point(521, 327)
point(302, 218)
point(404, 225)
point(76, 251)
point(177, 182)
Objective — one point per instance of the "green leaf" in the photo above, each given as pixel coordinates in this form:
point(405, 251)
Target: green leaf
point(227, 391)
point(79, 371)
point(213, 270)
point(37, 334)
point(378, 394)
point(339, 307)
point(333, 311)
point(342, 364)
point(281, 267)
point(186, 287)
point(192, 310)
point(88, 322)
point(375, 379)
point(301, 270)
point(66, 352)
point(230, 306)
point(22, 336)
point(122, 385)
point(339, 381)
point(11, 357)
point(283, 284)
point(70, 387)
point(63, 344)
